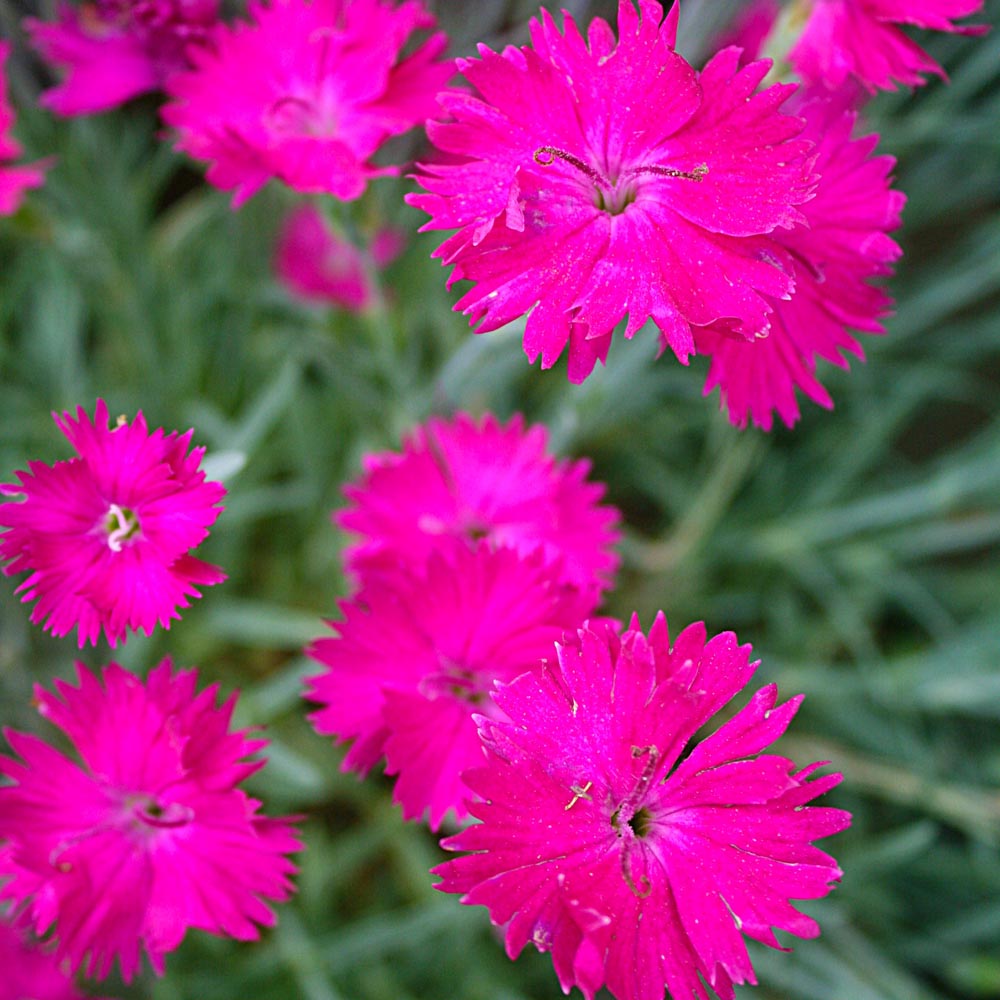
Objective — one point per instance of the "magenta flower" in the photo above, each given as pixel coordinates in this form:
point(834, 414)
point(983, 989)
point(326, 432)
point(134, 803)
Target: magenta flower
point(318, 264)
point(149, 834)
point(480, 480)
point(14, 181)
point(114, 50)
point(861, 40)
point(592, 180)
point(105, 537)
point(307, 92)
point(844, 247)
point(417, 653)
point(29, 971)
point(635, 868)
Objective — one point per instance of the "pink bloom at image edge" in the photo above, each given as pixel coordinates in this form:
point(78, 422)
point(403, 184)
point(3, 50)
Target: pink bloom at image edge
point(148, 835)
point(106, 536)
point(844, 247)
point(474, 479)
point(29, 970)
point(318, 264)
point(417, 653)
point(861, 40)
point(113, 50)
point(307, 93)
point(635, 868)
point(577, 203)
point(14, 181)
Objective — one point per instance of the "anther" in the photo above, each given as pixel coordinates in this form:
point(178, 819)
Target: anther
point(690, 175)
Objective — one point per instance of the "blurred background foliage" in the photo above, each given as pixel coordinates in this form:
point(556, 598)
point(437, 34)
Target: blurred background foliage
point(857, 552)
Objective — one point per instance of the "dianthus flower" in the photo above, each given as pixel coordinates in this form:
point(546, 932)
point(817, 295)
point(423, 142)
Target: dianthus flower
point(318, 264)
point(114, 50)
point(14, 181)
point(417, 653)
point(594, 179)
point(861, 40)
point(28, 971)
point(105, 536)
point(149, 834)
point(307, 93)
point(635, 868)
point(480, 480)
point(844, 246)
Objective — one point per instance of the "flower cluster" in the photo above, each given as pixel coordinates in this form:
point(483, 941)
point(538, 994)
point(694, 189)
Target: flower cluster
point(105, 537)
point(114, 50)
point(579, 202)
point(148, 834)
point(306, 92)
point(634, 867)
point(707, 207)
point(478, 551)
point(14, 181)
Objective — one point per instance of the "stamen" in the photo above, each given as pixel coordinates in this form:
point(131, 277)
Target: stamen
point(544, 157)
point(121, 524)
point(694, 175)
point(579, 793)
point(644, 888)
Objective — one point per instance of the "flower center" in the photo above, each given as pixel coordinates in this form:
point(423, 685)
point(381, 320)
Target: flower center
point(300, 116)
point(456, 680)
point(615, 195)
point(121, 526)
point(150, 812)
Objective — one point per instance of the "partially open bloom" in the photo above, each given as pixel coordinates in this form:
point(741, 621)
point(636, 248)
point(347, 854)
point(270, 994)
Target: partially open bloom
point(479, 480)
point(862, 40)
point(594, 179)
point(307, 92)
point(149, 834)
point(114, 50)
point(319, 264)
point(417, 653)
point(30, 971)
point(106, 536)
point(635, 868)
point(14, 181)
point(845, 245)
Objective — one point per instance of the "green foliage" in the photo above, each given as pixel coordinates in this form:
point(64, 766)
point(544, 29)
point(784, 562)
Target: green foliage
point(857, 552)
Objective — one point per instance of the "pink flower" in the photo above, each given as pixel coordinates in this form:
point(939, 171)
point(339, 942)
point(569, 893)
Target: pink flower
point(844, 247)
point(635, 868)
point(307, 93)
point(149, 834)
point(486, 480)
point(318, 264)
point(114, 50)
point(106, 536)
point(14, 181)
point(417, 653)
point(860, 39)
point(594, 180)
point(28, 971)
